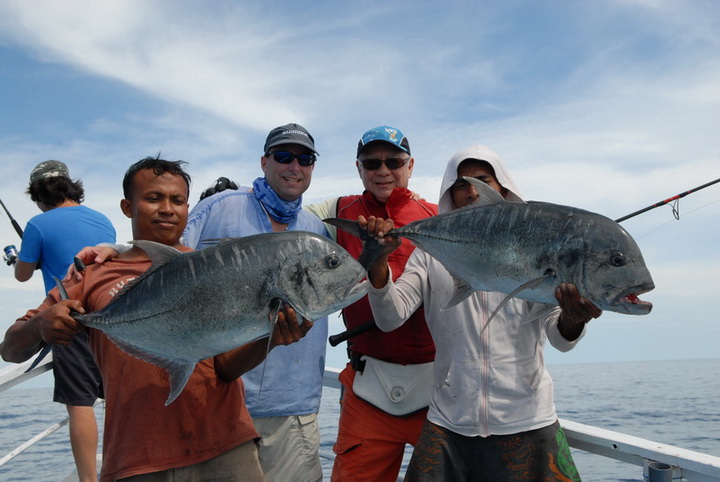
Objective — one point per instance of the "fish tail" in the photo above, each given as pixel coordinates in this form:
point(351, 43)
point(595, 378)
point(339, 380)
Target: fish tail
point(179, 374)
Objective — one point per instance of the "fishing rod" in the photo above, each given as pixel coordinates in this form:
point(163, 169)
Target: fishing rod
point(666, 201)
point(335, 340)
point(10, 253)
point(15, 224)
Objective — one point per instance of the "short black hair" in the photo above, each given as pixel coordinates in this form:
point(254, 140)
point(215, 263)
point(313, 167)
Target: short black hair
point(480, 162)
point(159, 166)
point(52, 191)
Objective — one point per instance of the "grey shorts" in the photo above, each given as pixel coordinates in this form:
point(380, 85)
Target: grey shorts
point(289, 447)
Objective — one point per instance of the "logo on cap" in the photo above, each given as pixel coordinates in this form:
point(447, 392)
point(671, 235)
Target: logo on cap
point(289, 134)
point(385, 134)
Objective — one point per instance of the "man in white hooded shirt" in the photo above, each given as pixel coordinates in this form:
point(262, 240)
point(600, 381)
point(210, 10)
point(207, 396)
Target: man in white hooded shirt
point(492, 415)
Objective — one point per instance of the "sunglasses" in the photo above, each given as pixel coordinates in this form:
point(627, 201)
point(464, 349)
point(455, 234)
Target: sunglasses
point(286, 157)
point(374, 164)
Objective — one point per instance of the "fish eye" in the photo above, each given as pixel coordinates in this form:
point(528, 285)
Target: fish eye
point(617, 259)
point(332, 261)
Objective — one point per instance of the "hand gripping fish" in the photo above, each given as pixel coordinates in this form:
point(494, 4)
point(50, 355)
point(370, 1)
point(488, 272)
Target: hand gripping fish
point(191, 306)
point(527, 250)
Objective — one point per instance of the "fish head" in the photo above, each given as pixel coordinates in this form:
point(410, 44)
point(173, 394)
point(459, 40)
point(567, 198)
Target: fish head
point(608, 269)
point(321, 279)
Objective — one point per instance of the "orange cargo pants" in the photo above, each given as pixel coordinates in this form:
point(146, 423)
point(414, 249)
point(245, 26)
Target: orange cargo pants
point(370, 443)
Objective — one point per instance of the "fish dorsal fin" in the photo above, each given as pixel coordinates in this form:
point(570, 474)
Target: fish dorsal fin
point(158, 253)
point(461, 291)
point(525, 286)
point(487, 194)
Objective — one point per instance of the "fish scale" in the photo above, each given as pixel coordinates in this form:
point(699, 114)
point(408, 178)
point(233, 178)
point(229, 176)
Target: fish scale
point(191, 306)
point(528, 249)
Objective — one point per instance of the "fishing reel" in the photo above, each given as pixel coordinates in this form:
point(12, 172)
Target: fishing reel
point(10, 254)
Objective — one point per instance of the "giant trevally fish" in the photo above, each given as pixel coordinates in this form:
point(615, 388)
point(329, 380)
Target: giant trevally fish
point(191, 306)
point(527, 250)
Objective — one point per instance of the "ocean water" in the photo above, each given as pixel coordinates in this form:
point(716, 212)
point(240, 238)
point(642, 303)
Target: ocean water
point(671, 402)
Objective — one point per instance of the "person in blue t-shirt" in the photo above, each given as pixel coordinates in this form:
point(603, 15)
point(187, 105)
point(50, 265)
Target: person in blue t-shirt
point(52, 239)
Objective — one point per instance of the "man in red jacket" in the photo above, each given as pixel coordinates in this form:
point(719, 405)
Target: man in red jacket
point(386, 383)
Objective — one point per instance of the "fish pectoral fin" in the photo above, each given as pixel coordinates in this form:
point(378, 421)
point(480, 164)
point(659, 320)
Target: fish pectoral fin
point(525, 286)
point(461, 291)
point(495, 311)
point(179, 373)
point(275, 305)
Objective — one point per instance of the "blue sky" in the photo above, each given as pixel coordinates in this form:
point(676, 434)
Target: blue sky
point(608, 105)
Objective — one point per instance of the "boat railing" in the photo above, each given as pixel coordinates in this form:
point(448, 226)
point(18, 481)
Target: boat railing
point(15, 375)
point(660, 462)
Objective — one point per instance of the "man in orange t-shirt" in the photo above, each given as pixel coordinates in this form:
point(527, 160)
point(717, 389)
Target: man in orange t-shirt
point(207, 430)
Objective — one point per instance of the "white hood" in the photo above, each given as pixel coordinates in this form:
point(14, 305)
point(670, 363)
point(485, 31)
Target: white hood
point(481, 153)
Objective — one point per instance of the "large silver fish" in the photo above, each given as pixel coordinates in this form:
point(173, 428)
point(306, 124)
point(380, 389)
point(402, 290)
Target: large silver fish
point(191, 306)
point(528, 249)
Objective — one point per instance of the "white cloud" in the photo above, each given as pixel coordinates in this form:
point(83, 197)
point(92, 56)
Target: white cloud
point(609, 106)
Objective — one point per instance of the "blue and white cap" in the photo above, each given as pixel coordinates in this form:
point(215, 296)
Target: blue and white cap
point(385, 134)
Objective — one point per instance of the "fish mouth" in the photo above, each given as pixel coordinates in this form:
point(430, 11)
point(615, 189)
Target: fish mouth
point(355, 292)
point(629, 302)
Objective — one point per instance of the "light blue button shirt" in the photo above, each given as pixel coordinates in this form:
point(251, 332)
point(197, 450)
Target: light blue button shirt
point(289, 382)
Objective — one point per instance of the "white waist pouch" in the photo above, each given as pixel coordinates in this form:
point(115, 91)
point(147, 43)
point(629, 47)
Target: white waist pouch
point(394, 388)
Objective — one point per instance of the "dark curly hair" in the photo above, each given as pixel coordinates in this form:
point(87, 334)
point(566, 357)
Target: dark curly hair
point(52, 191)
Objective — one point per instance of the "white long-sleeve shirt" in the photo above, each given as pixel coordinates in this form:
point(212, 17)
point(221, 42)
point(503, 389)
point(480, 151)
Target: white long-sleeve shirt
point(491, 382)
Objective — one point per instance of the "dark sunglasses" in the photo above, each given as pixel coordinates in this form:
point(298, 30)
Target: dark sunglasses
point(286, 157)
point(374, 164)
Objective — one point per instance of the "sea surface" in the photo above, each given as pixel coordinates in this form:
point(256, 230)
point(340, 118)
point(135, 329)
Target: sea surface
point(671, 402)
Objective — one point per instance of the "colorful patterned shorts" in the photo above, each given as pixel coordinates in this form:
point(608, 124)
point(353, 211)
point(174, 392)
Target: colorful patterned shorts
point(536, 455)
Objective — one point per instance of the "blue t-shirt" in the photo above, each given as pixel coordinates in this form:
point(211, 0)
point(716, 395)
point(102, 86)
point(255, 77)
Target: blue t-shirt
point(291, 376)
point(55, 237)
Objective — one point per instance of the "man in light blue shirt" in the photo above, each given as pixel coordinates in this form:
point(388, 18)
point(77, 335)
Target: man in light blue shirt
point(282, 394)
